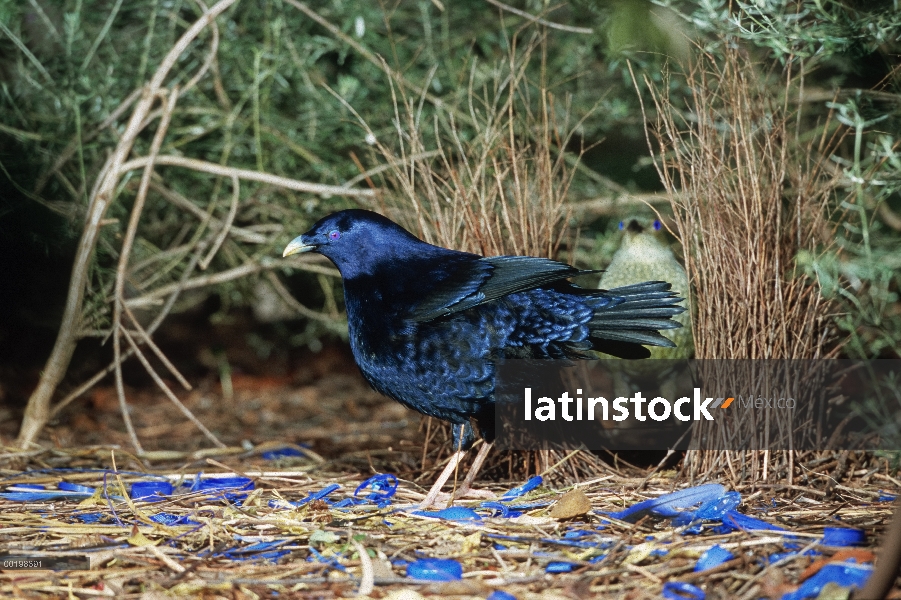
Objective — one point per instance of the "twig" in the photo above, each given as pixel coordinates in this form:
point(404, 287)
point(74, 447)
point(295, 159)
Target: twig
point(226, 225)
point(213, 168)
point(539, 20)
point(165, 388)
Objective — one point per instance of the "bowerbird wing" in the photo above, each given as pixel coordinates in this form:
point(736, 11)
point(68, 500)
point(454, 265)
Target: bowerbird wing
point(488, 279)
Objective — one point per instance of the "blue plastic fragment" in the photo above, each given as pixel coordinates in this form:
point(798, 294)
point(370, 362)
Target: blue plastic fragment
point(164, 518)
point(500, 595)
point(93, 517)
point(435, 569)
point(150, 491)
point(41, 496)
point(735, 520)
point(842, 574)
point(679, 590)
point(578, 533)
point(716, 509)
point(74, 487)
point(453, 513)
point(843, 536)
point(713, 557)
point(332, 562)
point(383, 486)
point(285, 452)
point(503, 511)
point(318, 495)
point(671, 505)
point(559, 567)
point(884, 497)
point(211, 484)
point(523, 489)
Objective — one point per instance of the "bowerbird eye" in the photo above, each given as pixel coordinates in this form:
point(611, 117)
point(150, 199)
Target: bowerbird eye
point(334, 235)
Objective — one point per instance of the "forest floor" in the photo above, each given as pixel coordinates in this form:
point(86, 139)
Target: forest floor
point(307, 433)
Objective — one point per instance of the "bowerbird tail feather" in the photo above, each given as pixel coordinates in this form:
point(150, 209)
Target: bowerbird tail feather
point(625, 328)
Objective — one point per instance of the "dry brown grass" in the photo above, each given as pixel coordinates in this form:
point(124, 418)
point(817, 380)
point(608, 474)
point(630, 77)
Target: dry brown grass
point(748, 195)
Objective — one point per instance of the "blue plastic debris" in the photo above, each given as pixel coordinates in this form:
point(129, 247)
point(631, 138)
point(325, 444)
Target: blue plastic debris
point(671, 505)
point(454, 513)
point(310, 498)
point(164, 518)
point(258, 551)
point(42, 495)
point(713, 557)
point(383, 486)
point(842, 574)
point(213, 484)
point(679, 590)
point(500, 595)
point(150, 491)
point(74, 487)
point(716, 509)
point(523, 489)
point(843, 536)
point(884, 497)
point(559, 567)
point(435, 569)
point(285, 452)
point(735, 520)
point(93, 517)
point(331, 562)
point(502, 510)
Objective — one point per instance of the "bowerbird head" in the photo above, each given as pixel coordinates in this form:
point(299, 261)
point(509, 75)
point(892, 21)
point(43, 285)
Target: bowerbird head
point(358, 241)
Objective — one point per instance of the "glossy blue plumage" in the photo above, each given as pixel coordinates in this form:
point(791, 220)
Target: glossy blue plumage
point(426, 323)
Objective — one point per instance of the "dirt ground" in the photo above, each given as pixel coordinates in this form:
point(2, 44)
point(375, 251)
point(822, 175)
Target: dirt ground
point(339, 432)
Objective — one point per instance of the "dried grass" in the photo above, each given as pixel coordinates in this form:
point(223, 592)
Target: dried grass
point(748, 194)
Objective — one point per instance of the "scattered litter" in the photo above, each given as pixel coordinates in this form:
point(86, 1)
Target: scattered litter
point(150, 491)
point(843, 536)
point(523, 489)
point(453, 513)
point(713, 557)
point(291, 519)
point(846, 575)
point(679, 590)
point(670, 505)
point(435, 569)
point(559, 567)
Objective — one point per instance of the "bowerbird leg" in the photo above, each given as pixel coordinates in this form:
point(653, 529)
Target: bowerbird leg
point(452, 465)
point(466, 487)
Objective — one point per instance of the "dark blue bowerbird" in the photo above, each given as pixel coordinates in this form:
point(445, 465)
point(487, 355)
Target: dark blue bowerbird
point(427, 323)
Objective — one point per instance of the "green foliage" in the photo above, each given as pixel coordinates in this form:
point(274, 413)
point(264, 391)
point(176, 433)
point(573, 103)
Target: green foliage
point(66, 66)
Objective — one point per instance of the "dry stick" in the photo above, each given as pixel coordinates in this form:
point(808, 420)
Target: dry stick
point(539, 20)
point(183, 203)
point(226, 225)
point(165, 388)
point(38, 408)
point(286, 297)
point(145, 337)
point(216, 169)
point(153, 326)
point(152, 298)
point(125, 254)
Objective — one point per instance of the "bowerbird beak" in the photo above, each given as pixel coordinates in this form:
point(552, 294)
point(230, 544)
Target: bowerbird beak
point(296, 247)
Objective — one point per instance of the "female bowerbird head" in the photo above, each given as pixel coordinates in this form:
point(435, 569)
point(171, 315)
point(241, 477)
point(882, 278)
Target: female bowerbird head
point(358, 241)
